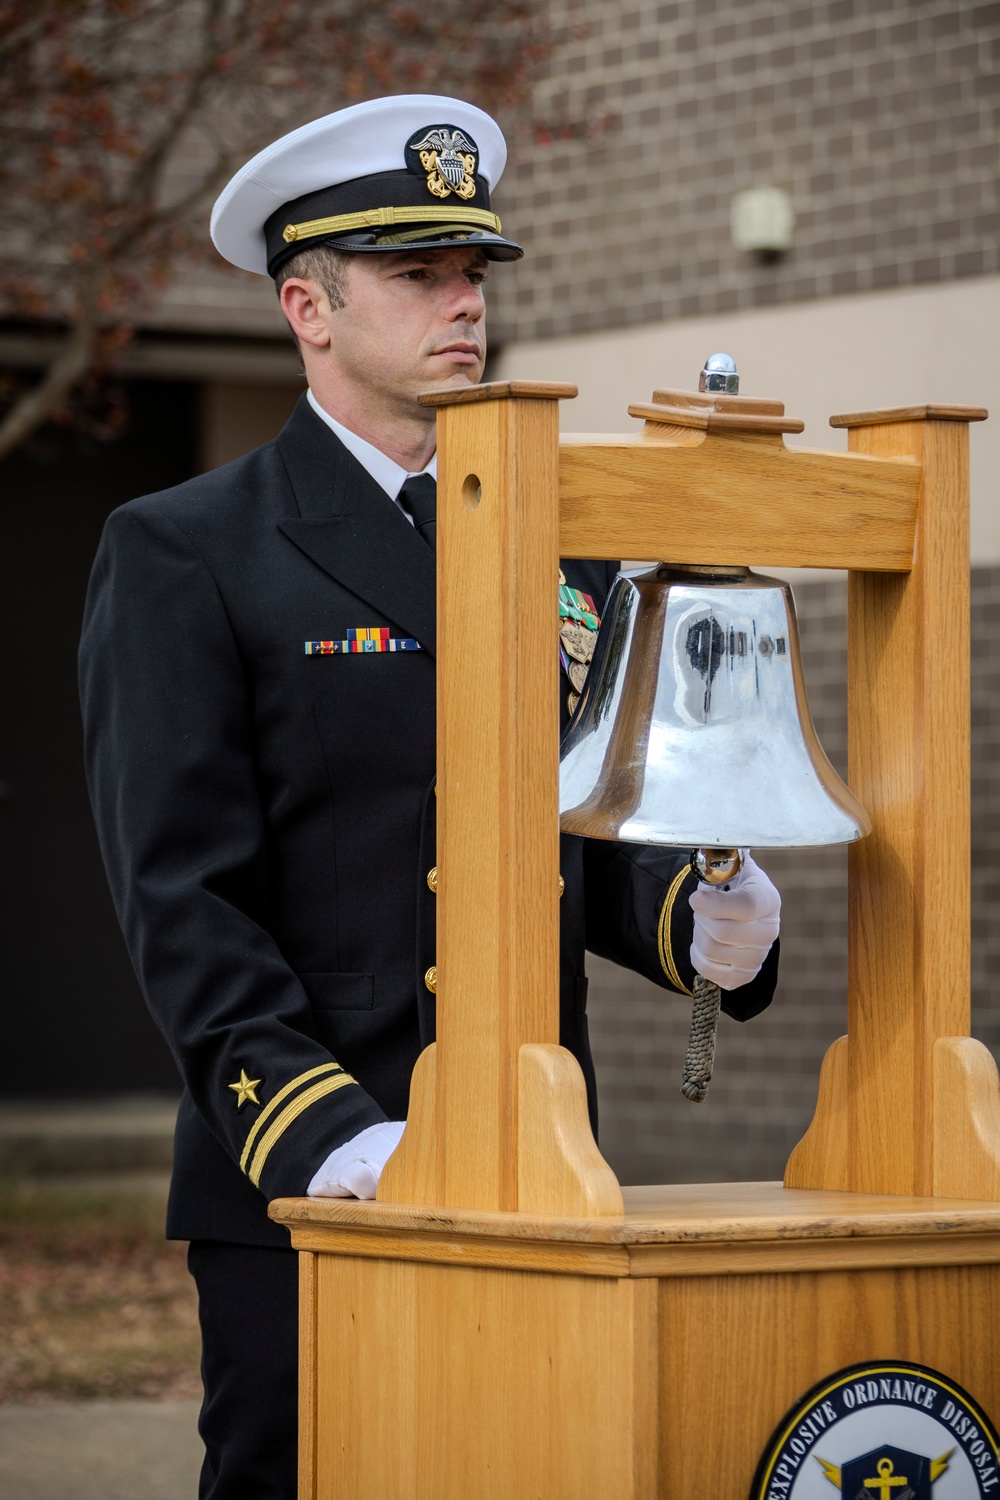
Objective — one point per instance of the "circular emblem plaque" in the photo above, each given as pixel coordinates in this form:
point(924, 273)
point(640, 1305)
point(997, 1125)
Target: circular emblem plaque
point(885, 1430)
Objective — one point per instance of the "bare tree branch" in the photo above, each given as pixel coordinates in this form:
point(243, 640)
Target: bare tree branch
point(174, 211)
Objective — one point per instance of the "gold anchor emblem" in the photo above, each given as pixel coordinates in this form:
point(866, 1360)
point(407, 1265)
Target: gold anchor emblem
point(886, 1481)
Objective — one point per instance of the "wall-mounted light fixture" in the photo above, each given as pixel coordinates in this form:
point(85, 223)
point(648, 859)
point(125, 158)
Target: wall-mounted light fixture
point(763, 220)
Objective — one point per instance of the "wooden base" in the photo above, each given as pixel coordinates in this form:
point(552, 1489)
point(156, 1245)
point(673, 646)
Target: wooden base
point(447, 1355)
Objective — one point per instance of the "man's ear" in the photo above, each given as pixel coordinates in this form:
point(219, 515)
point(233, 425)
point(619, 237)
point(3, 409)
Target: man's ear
point(307, 308)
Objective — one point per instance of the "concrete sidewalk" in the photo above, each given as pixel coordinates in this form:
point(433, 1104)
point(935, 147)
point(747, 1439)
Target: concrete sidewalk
point(92, 1136)
point(95, 1450)
point(100, 1450)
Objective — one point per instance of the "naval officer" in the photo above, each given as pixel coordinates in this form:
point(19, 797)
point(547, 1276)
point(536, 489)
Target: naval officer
point(257, 678)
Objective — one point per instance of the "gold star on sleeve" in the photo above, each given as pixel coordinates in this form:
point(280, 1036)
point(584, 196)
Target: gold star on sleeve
point(244, 1089)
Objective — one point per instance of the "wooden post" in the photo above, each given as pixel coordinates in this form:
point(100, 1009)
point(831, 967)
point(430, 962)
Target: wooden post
point(498, 1114)
point(907, 1064)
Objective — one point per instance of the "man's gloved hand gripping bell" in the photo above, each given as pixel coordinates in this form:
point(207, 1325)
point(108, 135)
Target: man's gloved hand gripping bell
point(734, 926)
point(736, 912)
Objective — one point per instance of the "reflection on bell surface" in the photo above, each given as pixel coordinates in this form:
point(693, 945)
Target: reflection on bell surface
point(693, 726)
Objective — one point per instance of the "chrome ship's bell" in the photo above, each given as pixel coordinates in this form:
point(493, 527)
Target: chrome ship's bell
point(693, 727)
point(693, 730)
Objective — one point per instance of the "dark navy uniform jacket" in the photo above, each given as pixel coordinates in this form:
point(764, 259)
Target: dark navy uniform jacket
point(267, 816)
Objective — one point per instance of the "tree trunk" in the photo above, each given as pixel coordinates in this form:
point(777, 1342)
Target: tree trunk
point(65, 371)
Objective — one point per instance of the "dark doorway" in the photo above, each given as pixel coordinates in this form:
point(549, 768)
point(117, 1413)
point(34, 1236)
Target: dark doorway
point(74, 1024)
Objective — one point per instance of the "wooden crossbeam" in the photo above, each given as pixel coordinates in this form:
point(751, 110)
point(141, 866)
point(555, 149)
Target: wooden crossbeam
point(691, 496)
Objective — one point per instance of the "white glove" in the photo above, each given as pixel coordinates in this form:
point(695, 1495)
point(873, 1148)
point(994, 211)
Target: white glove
point(353, 1169)
point(734, 927)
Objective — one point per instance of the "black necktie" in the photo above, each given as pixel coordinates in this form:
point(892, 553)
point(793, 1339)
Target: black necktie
point(419, 497)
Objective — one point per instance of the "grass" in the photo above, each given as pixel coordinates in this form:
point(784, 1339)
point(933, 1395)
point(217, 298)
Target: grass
point(94, 1303)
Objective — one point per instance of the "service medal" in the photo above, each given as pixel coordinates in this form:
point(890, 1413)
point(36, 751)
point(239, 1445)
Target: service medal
point(577, 674)
point(578, 625)
point(578, 641)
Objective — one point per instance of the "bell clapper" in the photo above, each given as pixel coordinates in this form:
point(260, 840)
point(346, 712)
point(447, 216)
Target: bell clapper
point(712, 867)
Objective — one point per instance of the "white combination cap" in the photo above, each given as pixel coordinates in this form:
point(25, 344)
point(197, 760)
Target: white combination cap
point(410, 171)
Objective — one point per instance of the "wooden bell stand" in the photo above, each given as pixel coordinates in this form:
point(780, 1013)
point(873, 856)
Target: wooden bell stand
point(505, 1323)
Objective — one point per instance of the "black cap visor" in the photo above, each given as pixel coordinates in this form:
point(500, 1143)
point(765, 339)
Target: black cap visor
point(492, 246)
point(312, 220)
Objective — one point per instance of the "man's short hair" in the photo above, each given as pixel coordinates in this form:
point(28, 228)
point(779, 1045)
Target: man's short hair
point(322, 263)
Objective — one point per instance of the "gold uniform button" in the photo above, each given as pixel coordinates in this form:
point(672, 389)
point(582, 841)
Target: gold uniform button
point(431, 979)
point(562, 887)
point(432, 879)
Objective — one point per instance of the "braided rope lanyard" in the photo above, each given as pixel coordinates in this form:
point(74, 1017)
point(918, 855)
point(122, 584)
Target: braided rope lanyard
point(701, 1042)
point(712, 867)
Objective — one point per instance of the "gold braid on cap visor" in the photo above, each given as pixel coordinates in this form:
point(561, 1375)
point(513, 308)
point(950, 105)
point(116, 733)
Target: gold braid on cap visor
point(376, 218)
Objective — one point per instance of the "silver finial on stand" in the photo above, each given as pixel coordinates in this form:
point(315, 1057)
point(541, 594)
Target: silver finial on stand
point(720, 376)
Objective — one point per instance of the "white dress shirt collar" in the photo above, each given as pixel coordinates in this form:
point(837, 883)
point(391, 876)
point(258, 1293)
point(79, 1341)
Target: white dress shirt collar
point(384, 470)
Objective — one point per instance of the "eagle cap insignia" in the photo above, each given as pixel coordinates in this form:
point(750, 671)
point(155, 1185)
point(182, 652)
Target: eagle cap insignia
point(447, 157)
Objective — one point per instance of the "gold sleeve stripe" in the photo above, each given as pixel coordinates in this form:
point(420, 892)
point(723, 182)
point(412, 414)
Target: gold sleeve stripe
point(279, 1098)
point(383, 218)
point(663, 934)
point(289, 1115)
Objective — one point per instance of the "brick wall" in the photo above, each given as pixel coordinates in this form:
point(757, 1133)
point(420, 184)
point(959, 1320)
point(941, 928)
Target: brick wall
point(879, 117)
point(986, 807)
point(764, 1089)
